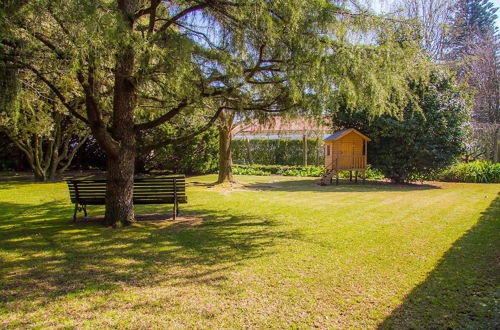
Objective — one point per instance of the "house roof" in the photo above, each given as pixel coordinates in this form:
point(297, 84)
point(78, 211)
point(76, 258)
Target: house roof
point(280, 125)
point(337, 135)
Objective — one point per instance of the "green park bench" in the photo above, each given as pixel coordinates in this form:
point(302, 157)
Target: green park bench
point(147, 190)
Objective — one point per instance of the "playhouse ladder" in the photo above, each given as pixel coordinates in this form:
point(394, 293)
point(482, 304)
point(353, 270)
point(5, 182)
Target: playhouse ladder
point(327, 177)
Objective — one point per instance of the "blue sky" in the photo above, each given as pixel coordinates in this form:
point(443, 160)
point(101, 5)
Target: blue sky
point(382, 4)
point(497, 4)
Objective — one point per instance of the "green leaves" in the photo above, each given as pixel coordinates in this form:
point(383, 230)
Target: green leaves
point(477, 172)
point(253, 55)
point(424, 140)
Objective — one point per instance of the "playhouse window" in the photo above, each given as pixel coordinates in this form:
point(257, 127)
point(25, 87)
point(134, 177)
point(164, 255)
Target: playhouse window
point(328, 150)
point(364, 149)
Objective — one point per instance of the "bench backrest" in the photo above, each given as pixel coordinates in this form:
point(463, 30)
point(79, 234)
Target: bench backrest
point(154, 190)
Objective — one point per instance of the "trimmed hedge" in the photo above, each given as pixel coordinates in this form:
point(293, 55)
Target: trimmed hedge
point(257, 169)
point(277, 152)
point(312, 171)
point(476, 172)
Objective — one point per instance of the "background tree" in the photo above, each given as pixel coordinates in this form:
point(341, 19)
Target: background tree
point(434, 19)
point(140, 64)
point(472, 49)
point(429, 136)
point(472, 21)
point(484, 77)
point(238, 111)
point(44, 132)
point(225, 126)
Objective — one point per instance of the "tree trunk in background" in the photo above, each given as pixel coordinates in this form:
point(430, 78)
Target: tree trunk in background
point(53, 166)
point(317, 151)
point(304, 146)
point(226, 121)
point(495, 145)
point(39, 176)
point(225, 156)
point(249, 151)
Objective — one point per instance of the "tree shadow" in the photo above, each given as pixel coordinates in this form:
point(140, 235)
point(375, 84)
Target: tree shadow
point(312, 185)
point(461, 292)
point(46, 256)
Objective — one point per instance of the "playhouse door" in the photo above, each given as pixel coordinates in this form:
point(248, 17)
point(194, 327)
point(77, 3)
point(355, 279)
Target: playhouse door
point(346, 151)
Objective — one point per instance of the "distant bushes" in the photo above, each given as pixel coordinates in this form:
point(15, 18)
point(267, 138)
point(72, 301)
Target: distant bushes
point(257, 169)
point(312, 171)
point(477, 172)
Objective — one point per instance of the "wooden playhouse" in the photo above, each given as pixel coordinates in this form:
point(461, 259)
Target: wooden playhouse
point(345, 150)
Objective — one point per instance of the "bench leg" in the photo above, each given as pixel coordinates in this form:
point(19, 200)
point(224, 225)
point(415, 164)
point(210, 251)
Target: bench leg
point(82, 207)
point(74, 213)
point(175, 211)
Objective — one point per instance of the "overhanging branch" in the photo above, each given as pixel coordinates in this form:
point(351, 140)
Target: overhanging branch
point(52, 87)
point(186, 137)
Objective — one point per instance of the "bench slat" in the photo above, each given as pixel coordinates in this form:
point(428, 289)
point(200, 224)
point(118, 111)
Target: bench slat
point(146, 190)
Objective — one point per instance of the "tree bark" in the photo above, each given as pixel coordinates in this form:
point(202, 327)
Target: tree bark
point(119, 189)
point(249, 151)
point(317, 155)
point(304, 149)
point(40, 177)
point(495, 145)
point(121, 166)
point(225, 155)
point(120, 147)
point(53, 166)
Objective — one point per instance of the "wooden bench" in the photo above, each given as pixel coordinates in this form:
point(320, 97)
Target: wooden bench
point(153, 190)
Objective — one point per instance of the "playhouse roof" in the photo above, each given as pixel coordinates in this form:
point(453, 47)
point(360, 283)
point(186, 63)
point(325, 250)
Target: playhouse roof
point(337, 135)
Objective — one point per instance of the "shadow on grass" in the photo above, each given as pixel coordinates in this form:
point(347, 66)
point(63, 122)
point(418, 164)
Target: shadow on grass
point(312, 184)
point(461, 292)
point(43, 255)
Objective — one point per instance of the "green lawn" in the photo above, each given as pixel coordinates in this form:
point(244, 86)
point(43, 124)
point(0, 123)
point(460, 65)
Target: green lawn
point(273, 252)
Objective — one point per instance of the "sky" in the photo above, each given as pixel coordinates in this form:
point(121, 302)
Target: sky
point(381, 5)
point(497, 5)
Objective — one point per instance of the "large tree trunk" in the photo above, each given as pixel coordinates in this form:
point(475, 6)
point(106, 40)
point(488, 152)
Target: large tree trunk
point(122, 150)
point(225, 155)
point(119, 189)
point(121, 165)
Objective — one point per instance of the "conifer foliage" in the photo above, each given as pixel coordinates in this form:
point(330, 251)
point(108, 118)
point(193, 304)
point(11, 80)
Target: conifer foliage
point(139, 64)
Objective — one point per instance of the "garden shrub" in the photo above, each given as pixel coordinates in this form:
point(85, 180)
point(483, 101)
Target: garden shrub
point(311, 171)
point(477, 172)
point(257, 169)
point(427, 138)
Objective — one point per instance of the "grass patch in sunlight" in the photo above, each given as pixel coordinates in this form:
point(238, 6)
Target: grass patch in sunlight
point(265, 252)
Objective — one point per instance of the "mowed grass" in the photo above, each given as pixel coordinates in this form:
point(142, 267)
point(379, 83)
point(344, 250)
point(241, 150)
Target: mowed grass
point(272, 252)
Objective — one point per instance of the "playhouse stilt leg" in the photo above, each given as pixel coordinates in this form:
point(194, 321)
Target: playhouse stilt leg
point(356, 177)
point(337, 181)
point(350, 176)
